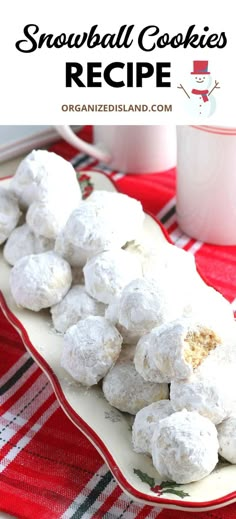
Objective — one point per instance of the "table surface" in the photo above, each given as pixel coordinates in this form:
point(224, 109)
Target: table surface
point(6, 169)
point(213, 272)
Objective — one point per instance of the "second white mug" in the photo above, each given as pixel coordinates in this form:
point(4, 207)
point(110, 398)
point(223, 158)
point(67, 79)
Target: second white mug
point(206, 183)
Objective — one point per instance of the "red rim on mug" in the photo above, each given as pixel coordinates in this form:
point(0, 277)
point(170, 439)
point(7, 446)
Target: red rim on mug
point(219, 130)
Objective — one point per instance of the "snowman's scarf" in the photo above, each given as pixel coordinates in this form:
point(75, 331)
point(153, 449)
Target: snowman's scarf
point(202, 93)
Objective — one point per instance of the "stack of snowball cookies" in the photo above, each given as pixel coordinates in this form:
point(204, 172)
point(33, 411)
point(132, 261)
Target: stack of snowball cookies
point(138, 318)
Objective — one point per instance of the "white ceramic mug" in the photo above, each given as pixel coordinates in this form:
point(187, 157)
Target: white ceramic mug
point(206, 183)
point(131, 149)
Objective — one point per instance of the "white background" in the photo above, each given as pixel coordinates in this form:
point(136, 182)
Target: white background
point(33, 85)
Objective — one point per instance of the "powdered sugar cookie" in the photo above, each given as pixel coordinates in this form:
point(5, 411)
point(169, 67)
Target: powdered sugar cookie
point(107, 273)
point(22, 242)
point(48, 218)
point(126, 390)
point(76, 305)
point(227, 439)
point(9, 213)
point(41, 174)
point(66, 248)
point(97, 226)
point(112, 314)
point(40, 280)
point(199, 300)
point(209, 305)
point(174, 350)
point(184, 447)
point(144, 303)
point(170, 259)
point(207, 392)
point(90, 229)
point(126, 212)
point(144, 362)
point(90, 348)
point(145, 422)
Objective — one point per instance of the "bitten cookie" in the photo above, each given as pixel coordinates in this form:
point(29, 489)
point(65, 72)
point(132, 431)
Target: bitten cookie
point(174, 350)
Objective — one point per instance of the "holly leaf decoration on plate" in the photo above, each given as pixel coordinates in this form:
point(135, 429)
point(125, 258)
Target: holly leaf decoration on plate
point(166, 487)
point(145, 478)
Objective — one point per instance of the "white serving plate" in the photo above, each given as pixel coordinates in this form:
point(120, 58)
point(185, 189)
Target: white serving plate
point(108, 429)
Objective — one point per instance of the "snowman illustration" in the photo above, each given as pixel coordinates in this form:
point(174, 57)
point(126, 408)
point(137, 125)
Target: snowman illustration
point(200, 101)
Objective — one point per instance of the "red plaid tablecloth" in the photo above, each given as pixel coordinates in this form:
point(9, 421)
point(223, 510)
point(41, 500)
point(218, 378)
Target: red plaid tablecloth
point(48, 469)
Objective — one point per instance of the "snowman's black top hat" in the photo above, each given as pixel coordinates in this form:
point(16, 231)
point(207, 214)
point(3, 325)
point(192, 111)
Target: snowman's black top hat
point(200, 67)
